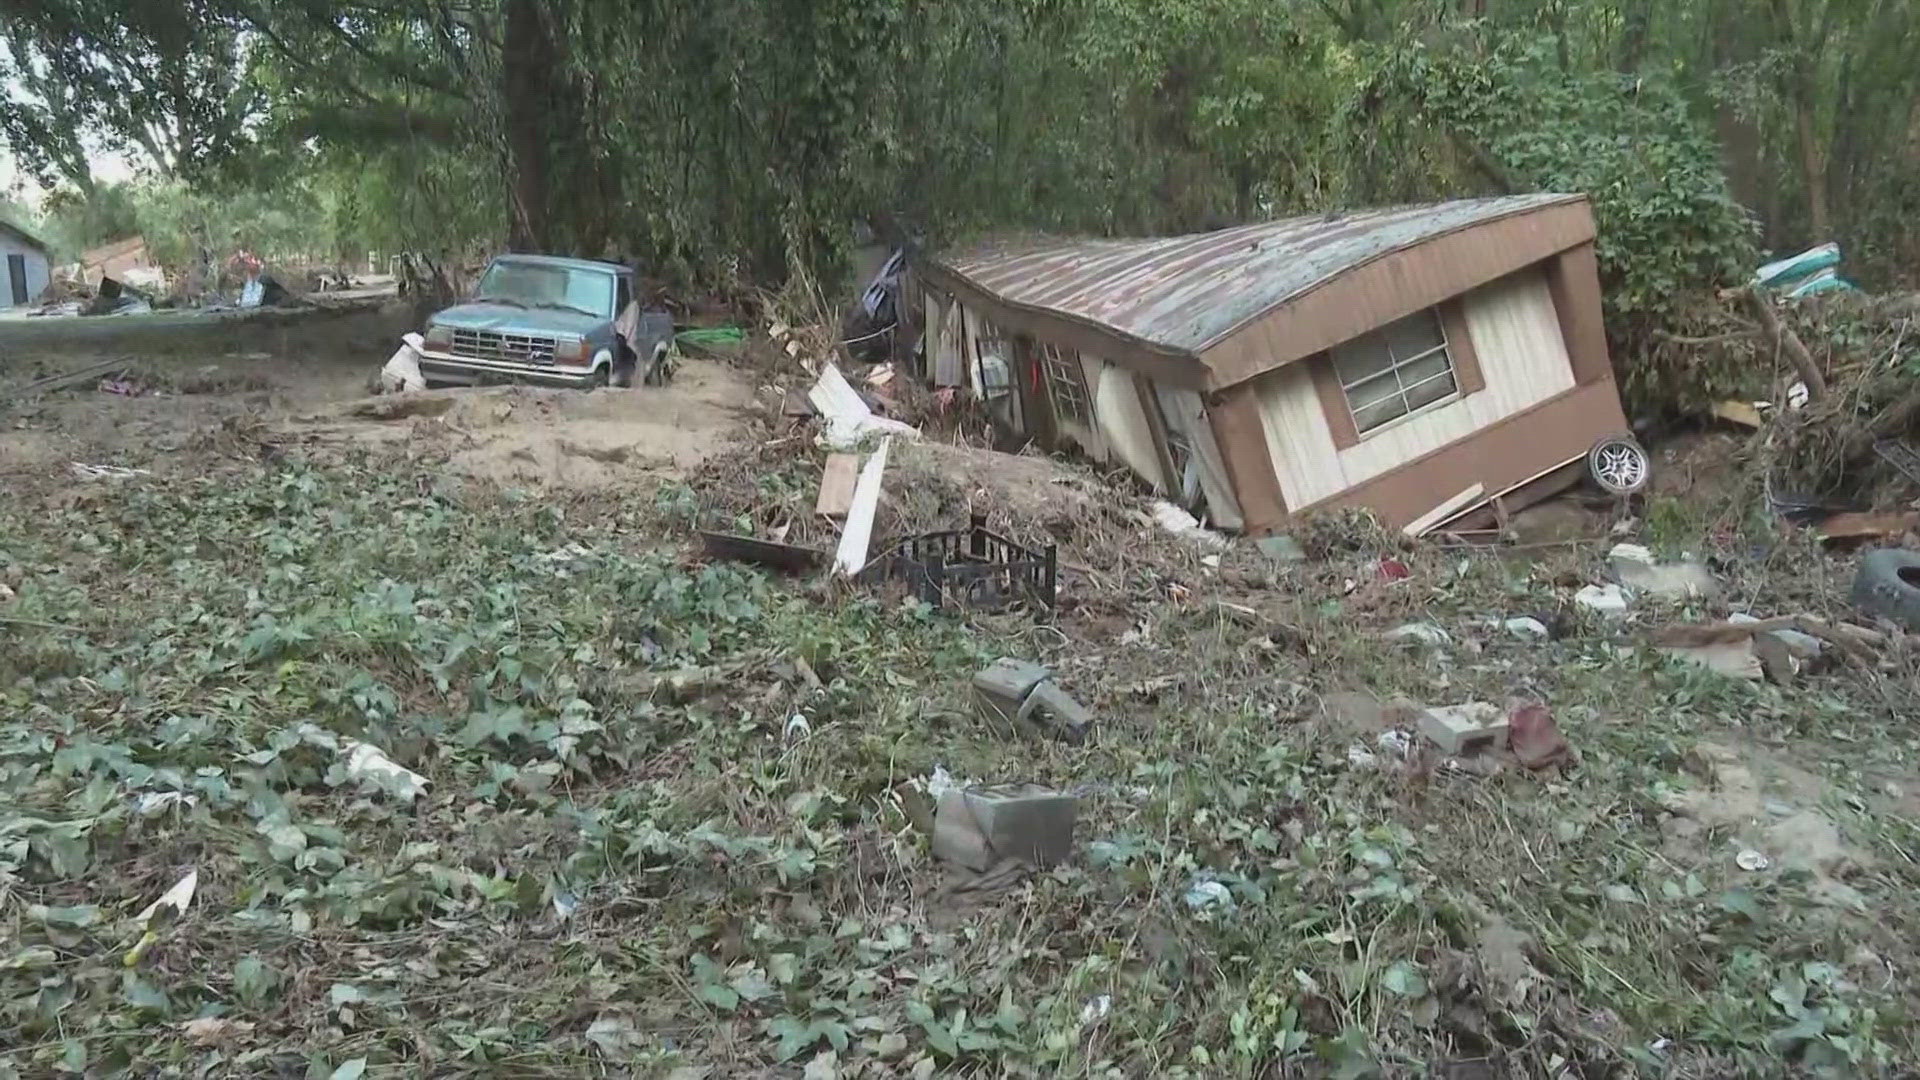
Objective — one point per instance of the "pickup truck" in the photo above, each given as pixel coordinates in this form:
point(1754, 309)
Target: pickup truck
point(574, 322)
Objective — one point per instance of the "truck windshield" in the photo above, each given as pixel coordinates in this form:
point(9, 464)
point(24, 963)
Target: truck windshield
point(535, 285)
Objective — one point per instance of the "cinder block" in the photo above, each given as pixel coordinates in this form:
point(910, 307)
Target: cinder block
point(1001, 688)
point(1465, 729)
point(978, 826)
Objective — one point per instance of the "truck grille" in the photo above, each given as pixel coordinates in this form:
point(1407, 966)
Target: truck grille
point(510, 348)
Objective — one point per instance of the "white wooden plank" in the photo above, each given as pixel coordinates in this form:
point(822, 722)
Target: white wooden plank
point(1424, 524)
point(852, 554)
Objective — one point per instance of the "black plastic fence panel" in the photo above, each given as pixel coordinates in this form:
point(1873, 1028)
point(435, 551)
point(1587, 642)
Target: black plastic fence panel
point(970, 568)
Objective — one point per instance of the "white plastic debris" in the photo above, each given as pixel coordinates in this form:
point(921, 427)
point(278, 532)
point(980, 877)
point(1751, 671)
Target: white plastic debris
point(1420, 634)
point(1203, 894)
point(1751, 860)
point(151, 803)
point(1184, 525)
point(1360, 757)
point(403, 368)
point(1605, 599)
point(1636, 568)
point(177, 898)
point(847, 421)
point(1096, 1009)
point(1396, 742)
point(106, 472)
point(797, 729)
point(370, 766)
point(1527, 627)
point(940, 781)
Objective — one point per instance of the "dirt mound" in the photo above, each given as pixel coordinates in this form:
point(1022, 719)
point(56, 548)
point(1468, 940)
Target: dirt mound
point(550, 437)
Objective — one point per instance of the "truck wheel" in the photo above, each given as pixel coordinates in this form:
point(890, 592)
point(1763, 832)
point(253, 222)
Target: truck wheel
point(1888, 584)
point(1619, 465)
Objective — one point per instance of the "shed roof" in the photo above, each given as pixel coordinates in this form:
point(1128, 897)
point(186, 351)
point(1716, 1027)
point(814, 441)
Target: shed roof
point(8, 226)
point(1182, 294)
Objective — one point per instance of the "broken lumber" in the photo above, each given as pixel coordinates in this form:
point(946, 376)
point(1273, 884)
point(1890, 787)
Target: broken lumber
point(836, 485)
point(1426, 522)
point(852, 554)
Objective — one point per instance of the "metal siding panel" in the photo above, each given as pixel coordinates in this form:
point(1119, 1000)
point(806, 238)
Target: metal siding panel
point(1185, 292)
point(1123, 425)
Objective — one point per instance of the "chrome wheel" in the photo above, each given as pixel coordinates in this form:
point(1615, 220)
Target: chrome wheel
point(1619, 465)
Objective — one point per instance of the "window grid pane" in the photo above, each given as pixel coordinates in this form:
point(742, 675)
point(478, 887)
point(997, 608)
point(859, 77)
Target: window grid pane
point(1064, 382)
point(1417, 371)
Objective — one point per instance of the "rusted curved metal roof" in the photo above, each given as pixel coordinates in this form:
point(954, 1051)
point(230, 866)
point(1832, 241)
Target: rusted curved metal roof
point(1183, 293)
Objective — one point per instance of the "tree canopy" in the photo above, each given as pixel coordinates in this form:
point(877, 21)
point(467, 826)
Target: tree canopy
point(744, 140)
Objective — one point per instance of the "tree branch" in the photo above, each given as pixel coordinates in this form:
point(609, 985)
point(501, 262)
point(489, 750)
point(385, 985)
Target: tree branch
point(1785, 340)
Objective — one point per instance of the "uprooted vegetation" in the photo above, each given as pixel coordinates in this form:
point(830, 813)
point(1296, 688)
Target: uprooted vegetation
point(622, 862)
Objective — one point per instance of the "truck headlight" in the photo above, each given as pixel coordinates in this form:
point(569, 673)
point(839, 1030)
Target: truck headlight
point(572, 351)
point(439, 337)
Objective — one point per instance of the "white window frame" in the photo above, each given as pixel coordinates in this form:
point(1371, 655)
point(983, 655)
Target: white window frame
point(1395, 366)
point(1067, 384)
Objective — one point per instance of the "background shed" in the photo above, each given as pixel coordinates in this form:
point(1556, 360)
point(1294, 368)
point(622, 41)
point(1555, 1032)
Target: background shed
point(24, 266)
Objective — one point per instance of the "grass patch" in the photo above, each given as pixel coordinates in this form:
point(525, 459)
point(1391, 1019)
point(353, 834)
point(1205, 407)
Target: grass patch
point(622, 866)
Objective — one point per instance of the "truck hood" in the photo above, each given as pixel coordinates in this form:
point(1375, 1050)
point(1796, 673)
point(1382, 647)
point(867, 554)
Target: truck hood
point(507, 319)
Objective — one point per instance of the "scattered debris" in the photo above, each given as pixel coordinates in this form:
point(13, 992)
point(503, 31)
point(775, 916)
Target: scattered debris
point(1452, 508)
point(1420, 634)
point(207, 1032)
point(1751, 861)
point(1464, 729)
point(1605, 599)
point(1182, 524)
point(851, 557)
point(402, 371)
point(1535, 739)
point(788, 558)
point(404, 407)
point(978, 827)
point(797, 730)
point(1813, 271)
point(1281, 548)
point(1392, 569)
point(1733, 658)
point(849, 422)
point(1526, 626)
point(1636, 569)
point(1017, 695)
point(176, 899)
point(106, 472)
point(368, 765)
point(1205, 893)
point(1858, 526)
point(1744, 413)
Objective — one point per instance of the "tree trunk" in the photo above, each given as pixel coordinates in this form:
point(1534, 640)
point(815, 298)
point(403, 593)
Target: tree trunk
point(526, 66)
point(1814, 165)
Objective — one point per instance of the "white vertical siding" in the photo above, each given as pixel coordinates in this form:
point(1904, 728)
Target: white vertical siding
point(35, 262)
point(1516, 334)
point(1122, 422)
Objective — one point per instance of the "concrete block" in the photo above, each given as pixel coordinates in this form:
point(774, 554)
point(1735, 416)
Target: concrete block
point(1001, 688)
point(1465, 729)
point(1056, 714)
point(977, 827)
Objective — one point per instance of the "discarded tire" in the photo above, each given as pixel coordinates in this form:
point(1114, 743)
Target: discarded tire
point(1888, 584)
point(1619, 465)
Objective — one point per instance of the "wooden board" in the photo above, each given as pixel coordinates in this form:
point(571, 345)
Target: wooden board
point(1453, 507)
point(836, 485)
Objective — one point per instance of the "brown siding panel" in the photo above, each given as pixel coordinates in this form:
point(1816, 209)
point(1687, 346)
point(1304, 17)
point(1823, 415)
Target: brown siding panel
point(1497, 456)
point(1235, 417)
point(1392, 287)
point(1333, 401)
point(1574, 279)
point(1466, 359)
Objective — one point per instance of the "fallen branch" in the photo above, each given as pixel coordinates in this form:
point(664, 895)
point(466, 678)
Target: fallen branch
point(1857, 641)
point(1785, 340)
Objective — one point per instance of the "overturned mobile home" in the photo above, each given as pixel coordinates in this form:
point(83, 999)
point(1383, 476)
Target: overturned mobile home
point(1419, 361)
